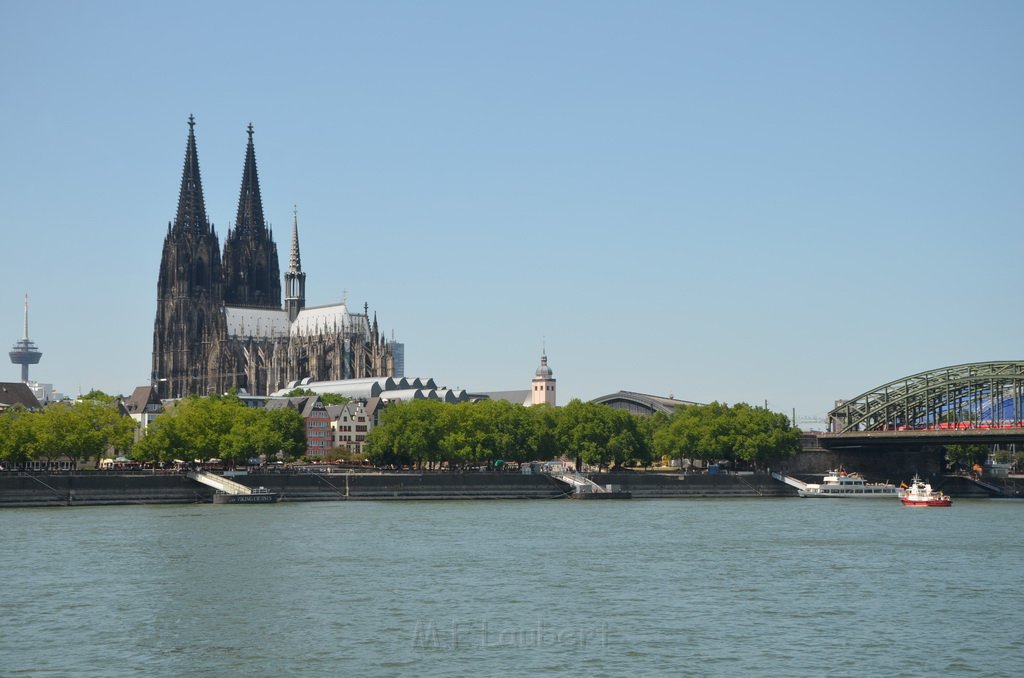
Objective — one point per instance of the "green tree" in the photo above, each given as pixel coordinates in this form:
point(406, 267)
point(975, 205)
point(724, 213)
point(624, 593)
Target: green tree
point(584, 431)
point(197, 428)
point(83, 430)
point(222, 427)
point(541, 433)
point(762, 435)
point(679, 435)
point(17, 435)
point(717, 431)
point(628, 445)
point(649, 427)
point(408, 433)
point(163, 441)
point(291, 427)
point(967, 455)
point(99, 396)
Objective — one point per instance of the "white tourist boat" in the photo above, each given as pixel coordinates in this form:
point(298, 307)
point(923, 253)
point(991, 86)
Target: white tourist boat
point(839, 483)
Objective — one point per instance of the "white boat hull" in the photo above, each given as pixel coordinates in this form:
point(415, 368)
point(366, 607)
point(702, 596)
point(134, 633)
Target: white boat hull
point(839, 484)
point(881, 493)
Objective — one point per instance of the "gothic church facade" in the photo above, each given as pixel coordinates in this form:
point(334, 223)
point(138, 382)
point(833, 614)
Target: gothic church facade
point(220, 323)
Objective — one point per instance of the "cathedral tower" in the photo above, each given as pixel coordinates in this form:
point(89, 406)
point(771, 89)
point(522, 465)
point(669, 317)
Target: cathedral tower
point(219, 320)
point(294, 279)
point(252, 274)
point(189, 290)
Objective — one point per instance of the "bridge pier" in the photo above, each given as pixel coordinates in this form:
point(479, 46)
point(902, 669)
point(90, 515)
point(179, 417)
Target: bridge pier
point(874, 463)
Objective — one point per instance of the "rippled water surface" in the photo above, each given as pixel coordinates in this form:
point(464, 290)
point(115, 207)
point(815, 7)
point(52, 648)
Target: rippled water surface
point(669, 587)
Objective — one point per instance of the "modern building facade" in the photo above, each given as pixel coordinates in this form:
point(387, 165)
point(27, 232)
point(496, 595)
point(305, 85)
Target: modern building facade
point(220, 323)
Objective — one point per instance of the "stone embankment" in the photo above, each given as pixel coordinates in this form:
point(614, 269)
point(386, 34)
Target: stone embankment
point(76, 489)
point(96, 488)
point(694, 485)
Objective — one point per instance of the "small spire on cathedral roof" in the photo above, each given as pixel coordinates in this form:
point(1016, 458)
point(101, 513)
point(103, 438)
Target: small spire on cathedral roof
point(294, 260)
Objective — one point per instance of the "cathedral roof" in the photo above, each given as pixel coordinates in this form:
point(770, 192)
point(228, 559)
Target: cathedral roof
point(323, 319)
point(246, 321)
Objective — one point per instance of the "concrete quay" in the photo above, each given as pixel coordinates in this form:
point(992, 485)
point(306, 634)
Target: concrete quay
point(99, 488)
point(103, 488)
point(694, 485)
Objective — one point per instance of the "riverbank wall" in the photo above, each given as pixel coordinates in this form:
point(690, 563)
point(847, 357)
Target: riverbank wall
point(694, 485)
point(98, 488)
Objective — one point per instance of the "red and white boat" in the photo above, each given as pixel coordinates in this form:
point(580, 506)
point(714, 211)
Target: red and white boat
point(921, 493)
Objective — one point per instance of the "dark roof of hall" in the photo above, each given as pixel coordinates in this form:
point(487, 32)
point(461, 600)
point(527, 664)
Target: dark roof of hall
point(653, 402)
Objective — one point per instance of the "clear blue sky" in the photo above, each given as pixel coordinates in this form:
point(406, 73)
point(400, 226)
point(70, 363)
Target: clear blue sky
point(789, 202)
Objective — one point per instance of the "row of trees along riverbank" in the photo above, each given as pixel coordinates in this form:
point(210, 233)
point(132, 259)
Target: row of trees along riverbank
point(222, 427)
point(429, 433)
point(194, 428)
point(418, 433)
point(80, 430)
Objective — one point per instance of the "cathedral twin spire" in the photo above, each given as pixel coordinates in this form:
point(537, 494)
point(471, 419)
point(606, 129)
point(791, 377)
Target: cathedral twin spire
point(250, 204)
point(251, 271)
point(191, 207)
point(252, 274)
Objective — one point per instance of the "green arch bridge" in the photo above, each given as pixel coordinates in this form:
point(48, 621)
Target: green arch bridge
point(961, 404)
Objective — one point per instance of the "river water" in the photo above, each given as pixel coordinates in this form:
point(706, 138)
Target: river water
point(454, 588)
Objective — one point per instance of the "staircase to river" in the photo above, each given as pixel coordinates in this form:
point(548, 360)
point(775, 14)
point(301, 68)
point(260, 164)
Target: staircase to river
point(585, 488)
point(789, 480)
point(580, 484)
point(220, 483)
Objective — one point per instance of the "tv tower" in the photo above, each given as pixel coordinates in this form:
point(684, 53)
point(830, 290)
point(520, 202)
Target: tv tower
point(24, 352)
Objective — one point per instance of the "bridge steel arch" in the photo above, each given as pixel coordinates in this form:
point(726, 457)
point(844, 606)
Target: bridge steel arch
point(970, 396)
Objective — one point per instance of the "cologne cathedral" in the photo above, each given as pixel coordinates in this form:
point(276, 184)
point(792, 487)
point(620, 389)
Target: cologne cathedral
point(219, 319)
